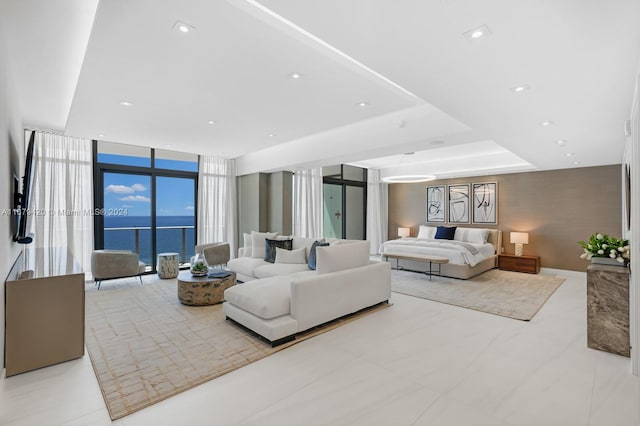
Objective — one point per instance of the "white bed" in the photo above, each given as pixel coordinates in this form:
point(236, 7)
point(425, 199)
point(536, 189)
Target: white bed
point(471, 252)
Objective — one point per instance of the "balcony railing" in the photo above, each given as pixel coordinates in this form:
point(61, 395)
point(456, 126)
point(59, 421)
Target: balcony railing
point(160, 247)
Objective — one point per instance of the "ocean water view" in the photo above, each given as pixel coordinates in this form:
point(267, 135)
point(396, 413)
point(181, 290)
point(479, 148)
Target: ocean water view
point(172, 233)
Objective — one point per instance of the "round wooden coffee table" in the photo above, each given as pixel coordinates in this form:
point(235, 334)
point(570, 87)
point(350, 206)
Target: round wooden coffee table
point(199, 291)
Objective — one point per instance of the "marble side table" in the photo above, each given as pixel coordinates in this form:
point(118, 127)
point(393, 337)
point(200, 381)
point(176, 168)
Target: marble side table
point(608, 309)
point(167, 265)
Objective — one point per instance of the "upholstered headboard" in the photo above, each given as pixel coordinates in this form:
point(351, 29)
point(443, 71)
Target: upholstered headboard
point(495, 238)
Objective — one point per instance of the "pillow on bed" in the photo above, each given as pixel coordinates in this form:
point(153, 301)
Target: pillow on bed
point(427, 232)
point(445, 232)
point(472, 235)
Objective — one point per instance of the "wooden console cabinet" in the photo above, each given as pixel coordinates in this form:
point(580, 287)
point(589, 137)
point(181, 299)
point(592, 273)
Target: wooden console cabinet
point(44, 310)
point(511, 262)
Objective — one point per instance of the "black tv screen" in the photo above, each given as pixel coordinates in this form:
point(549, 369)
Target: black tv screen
point(21, 200)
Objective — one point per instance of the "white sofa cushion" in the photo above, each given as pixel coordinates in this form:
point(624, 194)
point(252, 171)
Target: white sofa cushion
point(247, 245)
point(257, 242)
point(278, 269)
point(266, 298)
point(299, 242)
point(343, 256)
point(291, 256)
point(245, 265)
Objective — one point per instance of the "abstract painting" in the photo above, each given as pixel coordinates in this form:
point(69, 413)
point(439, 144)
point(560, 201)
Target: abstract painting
point(435, 203)
point(485, 203)
point(459, 203)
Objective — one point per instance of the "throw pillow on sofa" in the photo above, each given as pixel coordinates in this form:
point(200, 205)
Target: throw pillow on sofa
point(312, 253)
point(257, 242)
point(291, 256)
point(271, 245)
point(247, 245)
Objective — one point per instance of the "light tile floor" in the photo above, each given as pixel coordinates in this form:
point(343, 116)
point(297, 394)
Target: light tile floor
point(416, 363)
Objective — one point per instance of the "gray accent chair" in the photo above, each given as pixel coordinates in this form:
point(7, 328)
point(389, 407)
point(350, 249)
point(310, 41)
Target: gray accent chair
point(215, 253)
point(108, 264)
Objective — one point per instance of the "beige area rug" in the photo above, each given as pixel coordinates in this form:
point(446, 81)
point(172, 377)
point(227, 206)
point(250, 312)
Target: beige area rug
point(145, 346)
point(508, 294)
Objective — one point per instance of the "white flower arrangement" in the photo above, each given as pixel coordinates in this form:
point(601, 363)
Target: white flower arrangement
point(600, 245)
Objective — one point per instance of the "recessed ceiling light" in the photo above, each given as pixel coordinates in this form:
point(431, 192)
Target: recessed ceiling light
point(569, 154)
point(295, 75)
point(101, 135)
point(363, 104)
point(575, 163)
point(211, 122)
point(521, 88)
point(168, 146)
point(126, 103)
point(477, 33)
point(271, 135)
point(408, 178)
point(561, 142)
point(546, 123)
point(182, 27)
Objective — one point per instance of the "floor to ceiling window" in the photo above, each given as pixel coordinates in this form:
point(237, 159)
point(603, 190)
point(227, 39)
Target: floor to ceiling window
point(345, 200)
point(148, 200)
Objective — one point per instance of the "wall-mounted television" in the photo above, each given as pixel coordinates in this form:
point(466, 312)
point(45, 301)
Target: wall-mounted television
point(21, 199)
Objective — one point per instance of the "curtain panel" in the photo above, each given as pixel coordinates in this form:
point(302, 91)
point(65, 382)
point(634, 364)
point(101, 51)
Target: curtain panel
point(217, 205)
point(377, 210)
point(307, 203)
point(61, 198)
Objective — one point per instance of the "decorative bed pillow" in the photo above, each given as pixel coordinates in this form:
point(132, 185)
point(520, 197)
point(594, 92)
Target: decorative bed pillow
point(312, 253)
point(271, 245)
point(427, 232)
point(291, 256)
point(472, 235)
point(445, 232)
point(247, 245)
point(257, 242)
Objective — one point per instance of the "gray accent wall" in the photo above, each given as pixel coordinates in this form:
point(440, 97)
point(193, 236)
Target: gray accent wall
point(264, 203)
point(11, 163)
point(557, 208)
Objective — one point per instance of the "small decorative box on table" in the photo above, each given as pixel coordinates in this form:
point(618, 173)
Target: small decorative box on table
point(206, 290)
point(511, 262)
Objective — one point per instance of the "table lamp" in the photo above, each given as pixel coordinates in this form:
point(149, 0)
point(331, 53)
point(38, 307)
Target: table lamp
point(403, 232)
point(519, 238)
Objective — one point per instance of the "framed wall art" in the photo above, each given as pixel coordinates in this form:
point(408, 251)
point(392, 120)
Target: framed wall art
point(436, 203)
point(484, 206)
point(459, 203)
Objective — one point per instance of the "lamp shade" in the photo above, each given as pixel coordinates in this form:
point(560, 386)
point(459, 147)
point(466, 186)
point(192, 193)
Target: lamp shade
point(403, 232)
point(519, 238)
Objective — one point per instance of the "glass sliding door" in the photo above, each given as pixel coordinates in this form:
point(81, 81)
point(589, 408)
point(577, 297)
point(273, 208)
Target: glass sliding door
point(175, 216)
point(332, 211)
point(127, 214)
point(354, 209)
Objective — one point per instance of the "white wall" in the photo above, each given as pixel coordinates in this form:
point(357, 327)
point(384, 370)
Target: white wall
point(11, 162)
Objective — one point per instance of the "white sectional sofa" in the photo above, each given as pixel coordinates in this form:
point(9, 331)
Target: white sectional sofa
point(277, 307)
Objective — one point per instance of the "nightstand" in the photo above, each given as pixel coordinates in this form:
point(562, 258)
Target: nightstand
point(511, 262)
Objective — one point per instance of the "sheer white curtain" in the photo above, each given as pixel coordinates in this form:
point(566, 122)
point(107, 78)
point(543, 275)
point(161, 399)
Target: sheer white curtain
point(307, 203)
point(61, 198)
point(217, 207)
point(377, 210)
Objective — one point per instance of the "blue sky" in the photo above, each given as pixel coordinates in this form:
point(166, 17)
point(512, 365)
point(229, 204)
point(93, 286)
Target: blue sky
point(131, 193)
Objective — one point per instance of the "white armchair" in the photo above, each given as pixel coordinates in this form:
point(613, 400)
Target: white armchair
point(108, 264)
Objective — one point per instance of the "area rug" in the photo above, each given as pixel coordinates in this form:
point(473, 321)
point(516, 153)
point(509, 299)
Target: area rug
point(145, 346)
point(508, 294)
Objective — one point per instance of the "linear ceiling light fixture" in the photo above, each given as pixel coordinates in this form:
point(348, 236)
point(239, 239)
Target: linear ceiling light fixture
point(408, 178)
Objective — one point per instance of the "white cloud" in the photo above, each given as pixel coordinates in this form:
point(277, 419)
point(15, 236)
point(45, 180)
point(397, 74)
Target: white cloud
point(124, 189)
point(189, 208)
point(127, 206)
point(140, 198)
point(119, 189)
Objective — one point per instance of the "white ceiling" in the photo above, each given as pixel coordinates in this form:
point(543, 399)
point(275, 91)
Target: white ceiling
point(424, 82)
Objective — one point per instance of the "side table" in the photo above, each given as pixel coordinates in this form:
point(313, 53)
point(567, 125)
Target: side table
point(511, 262)
point(167, 265)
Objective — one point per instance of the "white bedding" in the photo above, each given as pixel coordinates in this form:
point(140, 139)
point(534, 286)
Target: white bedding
point(457, 252)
